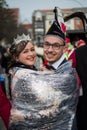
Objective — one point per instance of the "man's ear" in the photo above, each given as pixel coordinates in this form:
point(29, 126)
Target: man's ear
point(65, 48)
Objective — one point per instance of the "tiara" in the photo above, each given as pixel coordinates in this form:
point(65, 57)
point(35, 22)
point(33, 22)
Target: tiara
point(23, 37)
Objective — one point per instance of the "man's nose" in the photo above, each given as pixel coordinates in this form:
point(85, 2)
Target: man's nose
point(50, 48)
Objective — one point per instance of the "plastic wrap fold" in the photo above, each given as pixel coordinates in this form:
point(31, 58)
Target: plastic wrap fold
point(48, 100)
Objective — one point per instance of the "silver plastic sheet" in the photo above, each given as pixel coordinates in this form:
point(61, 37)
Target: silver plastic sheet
point(48, 99)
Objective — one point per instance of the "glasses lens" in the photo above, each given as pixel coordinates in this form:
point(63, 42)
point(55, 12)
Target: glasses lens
point(46, 45)
point(56, 46)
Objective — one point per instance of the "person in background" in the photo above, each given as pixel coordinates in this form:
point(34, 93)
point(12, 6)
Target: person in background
point(70, 51)
point(80, 43)
point(5, 107)
point(5, 60)
point(81, 67)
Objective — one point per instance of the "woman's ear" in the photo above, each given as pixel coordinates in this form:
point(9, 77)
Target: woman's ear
point(16, 58)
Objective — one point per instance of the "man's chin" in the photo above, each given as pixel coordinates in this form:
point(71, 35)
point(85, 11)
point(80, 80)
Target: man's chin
point(50, 61)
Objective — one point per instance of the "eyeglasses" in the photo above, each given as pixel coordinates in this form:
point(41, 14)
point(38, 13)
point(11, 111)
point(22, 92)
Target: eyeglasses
point(55, 46)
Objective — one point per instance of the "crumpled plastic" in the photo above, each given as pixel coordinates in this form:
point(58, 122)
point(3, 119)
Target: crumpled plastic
point(48, 99)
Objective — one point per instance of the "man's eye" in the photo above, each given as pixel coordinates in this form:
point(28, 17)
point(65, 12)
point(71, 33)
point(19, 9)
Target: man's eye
point(47, 44)
point(56, 45)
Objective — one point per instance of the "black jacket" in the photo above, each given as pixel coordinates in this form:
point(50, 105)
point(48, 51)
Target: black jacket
point(81, 66)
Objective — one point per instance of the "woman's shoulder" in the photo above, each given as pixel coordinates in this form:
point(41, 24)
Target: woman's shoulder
point(22, 72)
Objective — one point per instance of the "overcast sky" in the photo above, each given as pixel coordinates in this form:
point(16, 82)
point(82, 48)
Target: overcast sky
point(28, 6)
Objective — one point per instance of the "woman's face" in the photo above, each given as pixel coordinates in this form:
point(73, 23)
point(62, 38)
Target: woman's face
point(28, 55)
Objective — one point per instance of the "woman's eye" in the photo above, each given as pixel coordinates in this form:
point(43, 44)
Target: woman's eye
point(32, 49)
point(25, 51)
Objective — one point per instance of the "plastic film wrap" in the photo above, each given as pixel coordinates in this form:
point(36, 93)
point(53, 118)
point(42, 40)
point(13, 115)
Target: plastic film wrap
point(48, 99)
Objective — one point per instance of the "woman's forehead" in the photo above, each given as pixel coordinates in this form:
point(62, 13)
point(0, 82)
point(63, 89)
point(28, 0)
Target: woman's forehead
point(29, 45)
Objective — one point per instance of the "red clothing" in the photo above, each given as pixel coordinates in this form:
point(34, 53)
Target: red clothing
point(73, 58)
point(45, 63)
point(5, 107)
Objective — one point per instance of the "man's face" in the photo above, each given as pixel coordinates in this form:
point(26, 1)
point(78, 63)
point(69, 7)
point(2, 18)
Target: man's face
point(53, 48)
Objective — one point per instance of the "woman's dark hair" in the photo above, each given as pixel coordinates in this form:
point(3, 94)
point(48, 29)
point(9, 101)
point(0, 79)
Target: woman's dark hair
point(16, 49)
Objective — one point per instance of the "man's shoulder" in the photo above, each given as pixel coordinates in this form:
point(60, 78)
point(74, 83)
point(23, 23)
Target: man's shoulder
point(64, 61)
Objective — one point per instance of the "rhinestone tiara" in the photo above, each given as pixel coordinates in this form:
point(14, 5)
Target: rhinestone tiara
point(22, 37)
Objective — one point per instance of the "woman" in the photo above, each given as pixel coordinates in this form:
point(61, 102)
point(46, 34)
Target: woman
point(23, 59)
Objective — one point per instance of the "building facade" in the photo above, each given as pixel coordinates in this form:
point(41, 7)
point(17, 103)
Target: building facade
point(42, 20)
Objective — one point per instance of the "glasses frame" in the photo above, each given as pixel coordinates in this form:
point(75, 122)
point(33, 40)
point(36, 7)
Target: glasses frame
point(55, 46)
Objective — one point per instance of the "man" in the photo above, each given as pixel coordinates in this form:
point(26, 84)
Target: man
point(54, 45)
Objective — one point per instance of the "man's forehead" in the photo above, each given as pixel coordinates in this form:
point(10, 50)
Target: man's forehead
point(53, 39)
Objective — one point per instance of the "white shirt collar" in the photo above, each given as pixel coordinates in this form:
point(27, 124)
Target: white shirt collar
point(57, 63)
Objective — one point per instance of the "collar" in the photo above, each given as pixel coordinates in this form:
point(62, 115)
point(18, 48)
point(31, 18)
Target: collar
point(57, 63)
